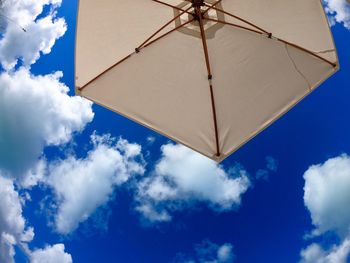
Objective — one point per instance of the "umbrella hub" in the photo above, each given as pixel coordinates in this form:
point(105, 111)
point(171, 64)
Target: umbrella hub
point(192, 28)
point(197, 3)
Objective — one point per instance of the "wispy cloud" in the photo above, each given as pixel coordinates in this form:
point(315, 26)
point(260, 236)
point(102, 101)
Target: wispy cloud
point(208, 252)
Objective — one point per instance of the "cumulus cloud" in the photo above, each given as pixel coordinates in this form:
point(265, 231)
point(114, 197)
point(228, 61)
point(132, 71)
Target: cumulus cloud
point(51, 254)
point(13, 229)
point(38, 34)
point(35, 112)
point(337, 254)
point(327, 195)
point(34, 175)
point(208, 252)
point(83, 185)
point(338, 11)
point(183, 177)
point(15, 232)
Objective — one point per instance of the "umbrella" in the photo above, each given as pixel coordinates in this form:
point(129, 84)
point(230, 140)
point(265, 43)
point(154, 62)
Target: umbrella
point(209, 74)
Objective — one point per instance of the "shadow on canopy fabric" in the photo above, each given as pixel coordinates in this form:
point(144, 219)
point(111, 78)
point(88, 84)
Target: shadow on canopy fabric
point(208, 74)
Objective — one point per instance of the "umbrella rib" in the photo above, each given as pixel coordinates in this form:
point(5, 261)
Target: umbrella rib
point(211, 6)
point(307, 51)
point(234, 25)
point(164, 26)
point(205, 48)
point(278, 39)
point(204, 42)
point(167, 33)
point(103, 72)
point(238, 18)
point(215, 119)
point(128, 56)
point(172, 6)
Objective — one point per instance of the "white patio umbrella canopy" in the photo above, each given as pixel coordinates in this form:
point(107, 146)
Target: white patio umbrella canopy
point(208, 74)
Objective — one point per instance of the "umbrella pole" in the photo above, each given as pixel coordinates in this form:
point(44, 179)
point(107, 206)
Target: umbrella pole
point(205, 48)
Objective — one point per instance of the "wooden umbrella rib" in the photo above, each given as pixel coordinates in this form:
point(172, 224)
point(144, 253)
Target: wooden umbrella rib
point(205, 48)
point(167, 33)
point(102, 73)
point(204, 41)
point(238, 18)
point(307, 51)
point(215, 120)
point(128, 56)
point(234, 25)
point(172, 6)
point(278, 39)
point(164, 26)
point(211, 6)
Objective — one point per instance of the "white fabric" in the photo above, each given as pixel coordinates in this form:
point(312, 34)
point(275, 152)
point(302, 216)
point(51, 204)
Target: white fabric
point(165, 87)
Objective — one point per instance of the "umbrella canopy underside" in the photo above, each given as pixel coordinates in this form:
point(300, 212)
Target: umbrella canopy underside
point(208, 74)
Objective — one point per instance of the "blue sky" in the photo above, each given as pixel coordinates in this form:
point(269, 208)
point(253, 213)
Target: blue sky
point(80, 183)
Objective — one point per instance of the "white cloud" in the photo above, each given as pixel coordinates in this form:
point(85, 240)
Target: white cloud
point(35, 112)
point(271, 166)
point(40, 36)
point(13, 230)
point(338, 11)
point(183, 177)
point(83, 185)
point(337, 254)
point(7, 251)
point(208, 252)
point(312, 254)
point(327, 195)
point(51, 254)
point(34, 175)
point(225, 253)
point(150, 140)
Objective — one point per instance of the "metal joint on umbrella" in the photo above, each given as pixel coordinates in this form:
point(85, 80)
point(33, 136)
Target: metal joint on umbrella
point(270, 36)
